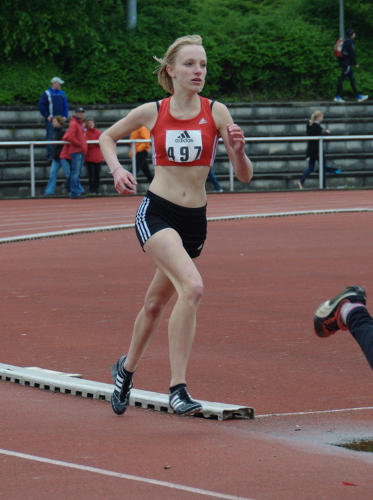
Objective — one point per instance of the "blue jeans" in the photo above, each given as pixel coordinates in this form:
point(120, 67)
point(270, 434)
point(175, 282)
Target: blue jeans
point(311, 168)
point(49, 137)
point(347, 73)
point(214, 180)
point(56, 164)
point(76, 188)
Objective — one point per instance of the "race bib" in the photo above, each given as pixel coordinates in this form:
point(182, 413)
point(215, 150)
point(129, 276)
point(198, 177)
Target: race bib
point(183, 145)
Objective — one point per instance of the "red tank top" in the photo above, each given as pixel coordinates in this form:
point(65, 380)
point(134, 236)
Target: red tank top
point(184, 142)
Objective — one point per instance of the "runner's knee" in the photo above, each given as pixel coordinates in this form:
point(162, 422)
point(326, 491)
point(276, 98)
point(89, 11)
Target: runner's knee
point(153, 306)
point(193, 291)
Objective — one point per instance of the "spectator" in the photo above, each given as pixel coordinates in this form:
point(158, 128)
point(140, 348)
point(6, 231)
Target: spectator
point(59, 131)
point(53, 102)
point(212, 177)
point(142, 149)
point(314, 128)
point(66, 158)
point(77, 149)
point(346, 62)
point(347, 311)
point(93, 158)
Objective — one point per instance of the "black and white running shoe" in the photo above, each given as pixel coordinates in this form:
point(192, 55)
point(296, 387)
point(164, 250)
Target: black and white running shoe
point(122, 387)
point(181, 402)
point(327, 319)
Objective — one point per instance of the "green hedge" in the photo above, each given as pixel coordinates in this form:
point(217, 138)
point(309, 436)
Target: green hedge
point(257, 50)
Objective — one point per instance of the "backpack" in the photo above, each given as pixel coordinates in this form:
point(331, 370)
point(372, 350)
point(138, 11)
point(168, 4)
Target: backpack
point(338, 48)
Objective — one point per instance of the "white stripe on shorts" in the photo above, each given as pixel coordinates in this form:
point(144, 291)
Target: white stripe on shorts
point(141, 224)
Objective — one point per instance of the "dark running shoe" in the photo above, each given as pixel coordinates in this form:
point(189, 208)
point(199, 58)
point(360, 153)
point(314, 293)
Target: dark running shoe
point(327, 319)
point(182, 403)
point(122, 387)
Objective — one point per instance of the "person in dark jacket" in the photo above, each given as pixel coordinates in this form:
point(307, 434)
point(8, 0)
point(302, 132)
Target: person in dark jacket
point(314, 128)
point(53, 102)
point(58, 125)
point(346, 62)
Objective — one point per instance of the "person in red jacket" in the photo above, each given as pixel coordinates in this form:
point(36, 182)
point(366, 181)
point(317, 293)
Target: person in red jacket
point(93, 158)
point(77, 149)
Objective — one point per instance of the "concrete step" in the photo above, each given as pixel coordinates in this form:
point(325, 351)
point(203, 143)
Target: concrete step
point(107, 113)
point(253, 149)
point(301, 110)
point(261, 182)
point(251, 128)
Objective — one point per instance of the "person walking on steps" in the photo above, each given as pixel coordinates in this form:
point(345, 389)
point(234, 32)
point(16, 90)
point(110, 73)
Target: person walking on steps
point(314, 128)
point(347, 311)
point(171, 220)
point(346, 62)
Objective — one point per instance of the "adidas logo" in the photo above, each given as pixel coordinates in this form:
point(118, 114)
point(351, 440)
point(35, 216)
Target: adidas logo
point(202, 121)
point(184, 137)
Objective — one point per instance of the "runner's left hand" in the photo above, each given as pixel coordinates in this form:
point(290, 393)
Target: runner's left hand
point(236, 137)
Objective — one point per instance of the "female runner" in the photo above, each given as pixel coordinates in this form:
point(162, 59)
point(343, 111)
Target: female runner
point(171, 220)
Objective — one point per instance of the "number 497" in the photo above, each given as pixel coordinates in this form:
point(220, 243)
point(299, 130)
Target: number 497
point(184, 153)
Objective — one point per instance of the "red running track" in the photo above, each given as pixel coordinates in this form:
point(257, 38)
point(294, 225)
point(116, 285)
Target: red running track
point(68, 304)
point(19, 217)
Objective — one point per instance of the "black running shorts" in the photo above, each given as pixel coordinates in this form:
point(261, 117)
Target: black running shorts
point(156, 213)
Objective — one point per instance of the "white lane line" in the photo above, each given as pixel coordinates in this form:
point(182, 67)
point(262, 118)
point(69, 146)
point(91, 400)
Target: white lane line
point(120, 475)
point(291, 213)
point(315, 412)
point(24, 226)
point(67, 232)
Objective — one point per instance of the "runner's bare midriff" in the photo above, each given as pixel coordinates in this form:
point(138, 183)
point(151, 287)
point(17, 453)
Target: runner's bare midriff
point(182, 185)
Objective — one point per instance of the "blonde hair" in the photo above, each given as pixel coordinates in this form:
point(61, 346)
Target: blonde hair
point(315, 115)
point(169, 59)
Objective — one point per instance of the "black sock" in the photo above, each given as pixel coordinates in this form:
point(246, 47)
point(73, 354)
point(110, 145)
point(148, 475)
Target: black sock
point(125, 373)
point(176, 387)
point(127, 379)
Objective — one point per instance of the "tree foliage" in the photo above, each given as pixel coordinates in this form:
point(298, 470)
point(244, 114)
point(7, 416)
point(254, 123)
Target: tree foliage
point(257, 49)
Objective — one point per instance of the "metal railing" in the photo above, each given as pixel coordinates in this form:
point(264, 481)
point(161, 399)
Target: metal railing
point(31, 145)
point(320, 139)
